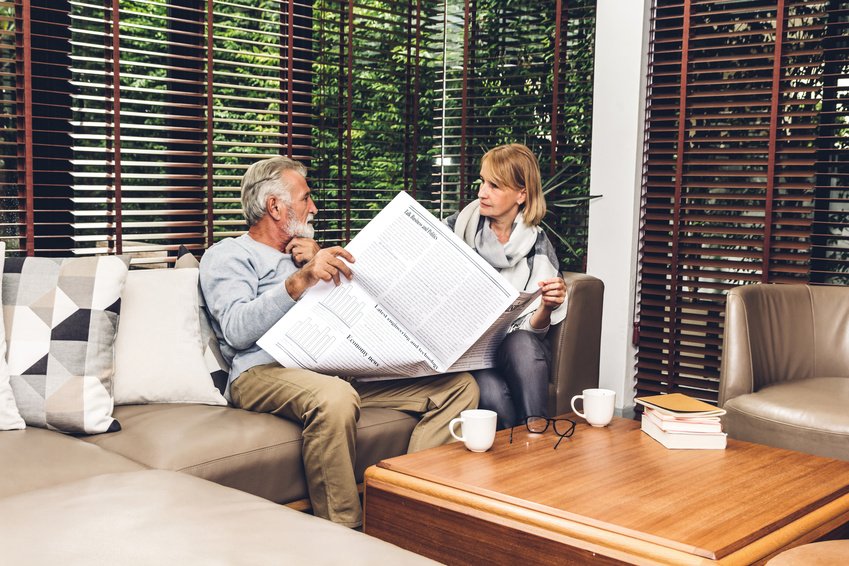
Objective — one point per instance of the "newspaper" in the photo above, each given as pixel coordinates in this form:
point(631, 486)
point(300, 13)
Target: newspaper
point(421, 302)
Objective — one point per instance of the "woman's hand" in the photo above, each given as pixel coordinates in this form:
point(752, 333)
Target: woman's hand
point(553, 295)
point(302, 250)
point(553, 292)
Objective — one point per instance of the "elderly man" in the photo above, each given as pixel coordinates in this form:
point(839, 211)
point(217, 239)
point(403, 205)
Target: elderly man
point(249, 283)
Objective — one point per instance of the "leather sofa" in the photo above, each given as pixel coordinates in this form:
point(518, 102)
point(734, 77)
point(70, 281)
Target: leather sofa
point(261, 453)
point(63, 501)
point(106, 482)
point(785, 367)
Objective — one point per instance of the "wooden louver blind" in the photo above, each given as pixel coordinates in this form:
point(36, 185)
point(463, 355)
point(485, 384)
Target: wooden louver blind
point(370, 80)
point(412, 99)
point(258, 84)
point(137, 125)
point(746, 176)
point(517, 72)
point(128, 123)
point(12, 155)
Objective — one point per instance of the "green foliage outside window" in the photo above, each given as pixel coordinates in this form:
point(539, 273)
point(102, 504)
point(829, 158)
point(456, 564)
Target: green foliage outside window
point(376, 96)
point(406, 95)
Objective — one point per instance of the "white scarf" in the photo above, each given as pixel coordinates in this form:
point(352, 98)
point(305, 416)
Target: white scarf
point(527, 258)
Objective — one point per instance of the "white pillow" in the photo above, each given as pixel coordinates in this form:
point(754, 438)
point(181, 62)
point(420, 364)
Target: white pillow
point(158, 350)
point(10, 418)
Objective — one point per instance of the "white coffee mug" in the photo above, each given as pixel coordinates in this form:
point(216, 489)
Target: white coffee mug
point(478, 429)
point(598, 406)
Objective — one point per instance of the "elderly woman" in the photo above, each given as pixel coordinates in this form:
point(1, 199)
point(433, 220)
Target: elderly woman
point(502, 225)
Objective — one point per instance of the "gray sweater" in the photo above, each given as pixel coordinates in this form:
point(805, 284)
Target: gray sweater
point(243, 284)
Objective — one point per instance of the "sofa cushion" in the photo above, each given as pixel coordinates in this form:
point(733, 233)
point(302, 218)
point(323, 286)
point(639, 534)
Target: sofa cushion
point(10, 418)
point(809, 415)
point(158, 351)
point(253, 452)
point(158, 517)
point(61, 316)
point(36, 458)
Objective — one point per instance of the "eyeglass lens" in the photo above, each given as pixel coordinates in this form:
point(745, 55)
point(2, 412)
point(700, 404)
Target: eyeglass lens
point(564, 427)
point(537, 424)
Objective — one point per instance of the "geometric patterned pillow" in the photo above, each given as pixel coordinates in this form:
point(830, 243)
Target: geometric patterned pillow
point(218, 367)
point(61, 317)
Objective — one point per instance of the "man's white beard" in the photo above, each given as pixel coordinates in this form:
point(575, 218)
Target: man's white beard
point(300, 229)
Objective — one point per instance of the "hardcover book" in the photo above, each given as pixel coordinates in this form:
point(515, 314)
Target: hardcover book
point(678, 404)
point(685, 440)
point(669, 423)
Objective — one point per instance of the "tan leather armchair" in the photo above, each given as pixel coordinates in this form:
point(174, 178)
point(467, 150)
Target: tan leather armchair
point(576, 342)
point(785, 367)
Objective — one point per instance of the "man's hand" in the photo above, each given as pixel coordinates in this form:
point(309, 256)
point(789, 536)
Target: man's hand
point(302, 250)
point(326, 265)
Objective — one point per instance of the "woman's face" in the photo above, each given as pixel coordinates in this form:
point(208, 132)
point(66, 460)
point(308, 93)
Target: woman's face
point(498, 202)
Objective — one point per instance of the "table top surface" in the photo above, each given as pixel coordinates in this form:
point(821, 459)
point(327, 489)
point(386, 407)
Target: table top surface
point(705, 502)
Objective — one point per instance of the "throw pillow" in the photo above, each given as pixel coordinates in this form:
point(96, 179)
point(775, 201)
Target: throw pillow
point(61, 316)
point(10, 418)
point(217, 365)
point(158, 352)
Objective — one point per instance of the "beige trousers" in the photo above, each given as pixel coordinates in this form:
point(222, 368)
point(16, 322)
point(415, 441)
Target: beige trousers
point(329, 407)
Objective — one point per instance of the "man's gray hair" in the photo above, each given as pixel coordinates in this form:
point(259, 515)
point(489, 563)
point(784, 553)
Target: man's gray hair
point(262, 180)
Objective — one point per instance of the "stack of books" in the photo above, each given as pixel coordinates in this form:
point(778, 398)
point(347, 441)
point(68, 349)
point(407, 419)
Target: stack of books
point(679, 421)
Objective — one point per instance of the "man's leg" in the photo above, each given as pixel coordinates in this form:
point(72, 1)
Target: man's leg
point(438, 399)
point(328, 409)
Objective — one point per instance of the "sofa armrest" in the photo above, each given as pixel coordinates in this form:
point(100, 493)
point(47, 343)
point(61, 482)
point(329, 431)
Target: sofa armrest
point(576, 342)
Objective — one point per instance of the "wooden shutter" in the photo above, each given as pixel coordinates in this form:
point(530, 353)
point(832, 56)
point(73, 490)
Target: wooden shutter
point(259, 85)
point(370, 91)
point(745, 171)
point(137, 94)
point(15, 190)
point(830, 241)
point(130, 123)
point(517, 72)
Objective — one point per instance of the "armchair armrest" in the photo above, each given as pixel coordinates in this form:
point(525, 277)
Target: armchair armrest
point(576, 342)
point(736, 372)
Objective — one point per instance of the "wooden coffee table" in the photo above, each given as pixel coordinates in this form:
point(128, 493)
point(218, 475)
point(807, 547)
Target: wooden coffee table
point(607, 495)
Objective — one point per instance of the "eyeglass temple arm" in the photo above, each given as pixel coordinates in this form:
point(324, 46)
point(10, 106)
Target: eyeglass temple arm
point(559, 440)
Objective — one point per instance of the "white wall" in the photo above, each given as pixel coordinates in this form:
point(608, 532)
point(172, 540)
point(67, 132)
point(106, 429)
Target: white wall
point(616, 174)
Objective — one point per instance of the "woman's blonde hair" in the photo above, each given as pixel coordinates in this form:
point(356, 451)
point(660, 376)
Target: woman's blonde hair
point(515, 166)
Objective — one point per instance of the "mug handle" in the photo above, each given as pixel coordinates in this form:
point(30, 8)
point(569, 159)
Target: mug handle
point(451, 428)
point(576, 397)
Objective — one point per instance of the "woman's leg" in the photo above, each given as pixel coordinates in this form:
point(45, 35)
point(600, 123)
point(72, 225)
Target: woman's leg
point(495, 396)
point(524, 361)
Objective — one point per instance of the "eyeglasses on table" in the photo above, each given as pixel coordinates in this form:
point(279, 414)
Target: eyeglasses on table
point(564, 428)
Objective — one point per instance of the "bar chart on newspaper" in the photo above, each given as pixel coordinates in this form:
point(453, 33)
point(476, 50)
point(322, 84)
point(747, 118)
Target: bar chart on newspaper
point(420, 302)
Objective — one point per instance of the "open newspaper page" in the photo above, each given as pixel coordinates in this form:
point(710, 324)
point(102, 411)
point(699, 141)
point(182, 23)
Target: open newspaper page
point(419, 299)
point(482, 353)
